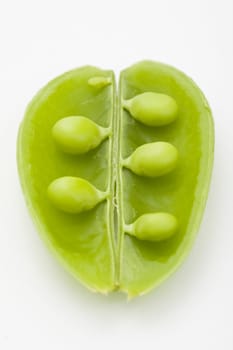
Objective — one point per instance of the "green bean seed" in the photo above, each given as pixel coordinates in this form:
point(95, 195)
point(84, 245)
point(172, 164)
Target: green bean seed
point(74, 195)
point(152, 109)
point(99, 82)
point(153, 227)
point(77, 135)
point(152, 159)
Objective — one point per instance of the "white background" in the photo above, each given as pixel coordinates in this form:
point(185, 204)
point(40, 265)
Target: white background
point(42, 307)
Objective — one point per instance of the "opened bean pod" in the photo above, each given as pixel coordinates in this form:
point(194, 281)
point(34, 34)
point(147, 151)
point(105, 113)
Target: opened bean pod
point(117, 181)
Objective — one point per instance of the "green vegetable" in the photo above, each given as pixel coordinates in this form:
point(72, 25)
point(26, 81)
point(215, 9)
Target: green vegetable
point(77, 135)
point(152, 159)
point(153, 227)
point(153, 109)
point(117, 186)
point(74, 195)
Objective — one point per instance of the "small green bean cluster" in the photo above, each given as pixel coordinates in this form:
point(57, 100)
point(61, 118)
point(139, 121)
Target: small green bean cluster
point(78, 135)
point(152, 160)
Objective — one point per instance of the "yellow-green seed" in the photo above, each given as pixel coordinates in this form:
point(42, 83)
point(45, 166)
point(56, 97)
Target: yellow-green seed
point(74, 195)
point(153, 227)
point(152, 109)
point(99, 82)
point(78, 134)
point(152, 159)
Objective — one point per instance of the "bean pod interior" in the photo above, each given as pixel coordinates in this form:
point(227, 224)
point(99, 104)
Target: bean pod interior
point(117, 181)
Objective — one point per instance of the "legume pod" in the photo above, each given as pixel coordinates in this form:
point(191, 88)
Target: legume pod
point(117, 185)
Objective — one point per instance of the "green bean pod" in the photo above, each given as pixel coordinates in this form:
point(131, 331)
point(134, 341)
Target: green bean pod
point(117, 181)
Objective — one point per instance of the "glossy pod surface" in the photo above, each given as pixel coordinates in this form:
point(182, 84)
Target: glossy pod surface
point(117, 187)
